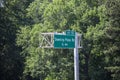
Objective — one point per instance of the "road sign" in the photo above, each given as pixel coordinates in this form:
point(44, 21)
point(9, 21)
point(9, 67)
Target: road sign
point(64, 41)
point(70, 32)
point(70, 39)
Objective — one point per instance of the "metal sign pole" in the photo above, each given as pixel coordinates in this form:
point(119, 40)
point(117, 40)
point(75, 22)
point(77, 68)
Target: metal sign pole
point(1, 3)
point(69, 39)
point(76, 59)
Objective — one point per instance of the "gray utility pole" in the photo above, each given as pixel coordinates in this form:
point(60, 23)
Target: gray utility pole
point(1, 3)
point(57, 40)
point(76, 59)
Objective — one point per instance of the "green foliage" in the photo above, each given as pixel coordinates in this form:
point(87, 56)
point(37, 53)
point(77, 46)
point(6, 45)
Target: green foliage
point(97, 20)
point(59, 15)
point(11, 62)
point(112, 32)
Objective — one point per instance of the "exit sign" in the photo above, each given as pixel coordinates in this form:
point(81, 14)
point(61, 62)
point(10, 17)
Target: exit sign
point(64, 41)
point(70, 32)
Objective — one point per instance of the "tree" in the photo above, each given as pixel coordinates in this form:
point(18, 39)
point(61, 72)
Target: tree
point(85, 16)
point(112, 38)
point(11, 65)
point(41, 67)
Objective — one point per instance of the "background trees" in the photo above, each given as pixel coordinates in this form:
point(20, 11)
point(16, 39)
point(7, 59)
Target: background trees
point(11, 17)
point(112, 38)
point(21, 22)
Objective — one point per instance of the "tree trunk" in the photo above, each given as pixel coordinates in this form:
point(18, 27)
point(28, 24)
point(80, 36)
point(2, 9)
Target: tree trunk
point(86, 69)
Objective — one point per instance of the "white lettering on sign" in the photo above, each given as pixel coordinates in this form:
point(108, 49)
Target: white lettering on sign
point(68, 40)
point(65, 39)
point(59, 39)
point(73, 40)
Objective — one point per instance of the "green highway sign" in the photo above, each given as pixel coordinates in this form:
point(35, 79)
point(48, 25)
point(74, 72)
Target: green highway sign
point(70, 32)
point(64, 41)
